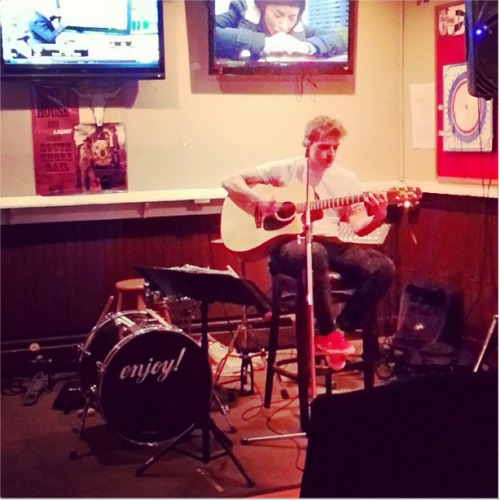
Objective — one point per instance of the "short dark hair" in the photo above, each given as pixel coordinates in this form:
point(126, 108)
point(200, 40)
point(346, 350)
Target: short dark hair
point(301, 4)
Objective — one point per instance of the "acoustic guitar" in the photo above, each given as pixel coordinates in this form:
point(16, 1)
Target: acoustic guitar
point(246, 231)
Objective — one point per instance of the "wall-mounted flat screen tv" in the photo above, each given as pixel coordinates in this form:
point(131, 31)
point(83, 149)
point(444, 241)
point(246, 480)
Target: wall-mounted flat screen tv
point(282, 36)
point(82, 39)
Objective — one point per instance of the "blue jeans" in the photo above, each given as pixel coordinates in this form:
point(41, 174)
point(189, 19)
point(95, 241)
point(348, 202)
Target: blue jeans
point(370, 271)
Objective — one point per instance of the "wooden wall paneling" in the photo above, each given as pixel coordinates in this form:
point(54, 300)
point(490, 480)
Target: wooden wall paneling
point(453, 243)
point(57, 277)
point(52, 285)
point(12, 280)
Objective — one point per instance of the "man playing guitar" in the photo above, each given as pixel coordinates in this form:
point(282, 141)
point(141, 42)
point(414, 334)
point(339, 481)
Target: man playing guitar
point(372, 271)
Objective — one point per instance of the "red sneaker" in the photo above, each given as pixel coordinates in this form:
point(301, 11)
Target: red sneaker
point(336, 361)
point(333, 343)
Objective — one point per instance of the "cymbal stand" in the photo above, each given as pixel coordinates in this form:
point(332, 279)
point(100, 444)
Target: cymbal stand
point(89, 399)
point(90, 394)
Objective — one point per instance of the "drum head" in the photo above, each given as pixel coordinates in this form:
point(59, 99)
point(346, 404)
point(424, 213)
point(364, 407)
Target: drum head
point(100, 342)
point(154, 385)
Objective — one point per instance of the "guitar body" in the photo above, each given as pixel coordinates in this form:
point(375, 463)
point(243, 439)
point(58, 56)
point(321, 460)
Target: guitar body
point(240, 231)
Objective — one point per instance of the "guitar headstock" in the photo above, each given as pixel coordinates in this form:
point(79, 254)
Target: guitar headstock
point(404, 196)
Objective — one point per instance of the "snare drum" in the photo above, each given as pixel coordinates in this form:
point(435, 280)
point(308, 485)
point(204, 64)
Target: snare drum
point(150, 380)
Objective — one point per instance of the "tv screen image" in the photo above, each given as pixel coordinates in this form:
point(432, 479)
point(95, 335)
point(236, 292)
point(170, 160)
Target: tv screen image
point(70, 38)
point(289, 37)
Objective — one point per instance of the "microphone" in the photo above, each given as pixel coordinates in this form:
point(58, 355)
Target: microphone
point(307, 144)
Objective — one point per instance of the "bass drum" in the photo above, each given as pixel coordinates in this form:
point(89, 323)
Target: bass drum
point(151, 381)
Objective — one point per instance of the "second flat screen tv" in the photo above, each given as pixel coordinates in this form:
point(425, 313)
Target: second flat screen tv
point(285, 37)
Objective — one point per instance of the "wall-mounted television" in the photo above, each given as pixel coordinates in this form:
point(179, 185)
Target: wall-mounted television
point(82, 39)
point(282, 36)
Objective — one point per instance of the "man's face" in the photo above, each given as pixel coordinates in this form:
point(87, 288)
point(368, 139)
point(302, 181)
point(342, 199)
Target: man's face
point(323, 152)
point(280, 18)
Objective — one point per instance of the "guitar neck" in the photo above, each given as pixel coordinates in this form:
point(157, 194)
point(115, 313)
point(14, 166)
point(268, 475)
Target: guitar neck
point(331, 203)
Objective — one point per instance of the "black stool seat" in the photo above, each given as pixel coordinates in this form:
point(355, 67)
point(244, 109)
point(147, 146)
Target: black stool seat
point(289, 295)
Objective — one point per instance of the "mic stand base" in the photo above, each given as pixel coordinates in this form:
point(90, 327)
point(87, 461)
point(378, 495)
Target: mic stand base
point(269, 438)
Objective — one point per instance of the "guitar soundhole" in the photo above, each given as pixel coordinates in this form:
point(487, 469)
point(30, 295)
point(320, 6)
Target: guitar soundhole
point(281, 218)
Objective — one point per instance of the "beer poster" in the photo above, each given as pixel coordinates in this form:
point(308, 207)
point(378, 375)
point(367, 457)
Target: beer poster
point(71, 157)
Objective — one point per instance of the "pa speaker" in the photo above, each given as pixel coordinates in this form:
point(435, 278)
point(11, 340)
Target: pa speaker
point(428, 437)
point(481, 47)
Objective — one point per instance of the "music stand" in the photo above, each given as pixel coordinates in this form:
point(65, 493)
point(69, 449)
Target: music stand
point(206, 286)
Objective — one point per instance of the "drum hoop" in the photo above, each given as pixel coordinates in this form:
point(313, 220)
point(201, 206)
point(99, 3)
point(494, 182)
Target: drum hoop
point(96, 328)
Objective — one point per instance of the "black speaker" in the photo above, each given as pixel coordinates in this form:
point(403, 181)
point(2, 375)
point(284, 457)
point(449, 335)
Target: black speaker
point(481, 47)
point(428, 437)
point(429, 314)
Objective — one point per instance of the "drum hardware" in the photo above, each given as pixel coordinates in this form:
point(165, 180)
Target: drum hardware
point(175, 309)
point(156, 301)
point(106, 309)
point(83, 417)
point(41, 380)
point(182, 309)
point(205, 286)
point(89, 393)
point(223, 411)
point(124, 321)
point(248, 347)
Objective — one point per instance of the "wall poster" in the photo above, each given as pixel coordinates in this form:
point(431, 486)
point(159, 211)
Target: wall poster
point(72, 156)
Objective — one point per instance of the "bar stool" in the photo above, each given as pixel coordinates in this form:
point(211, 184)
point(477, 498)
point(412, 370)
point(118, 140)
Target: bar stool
point(289, 295)
point(130, 294)
point(134, 293)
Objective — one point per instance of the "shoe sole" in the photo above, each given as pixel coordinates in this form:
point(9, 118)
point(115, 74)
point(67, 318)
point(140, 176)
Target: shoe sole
point(347, 350)
point(333, 363)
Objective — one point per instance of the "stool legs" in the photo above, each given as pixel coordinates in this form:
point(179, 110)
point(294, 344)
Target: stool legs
point(369, 354)
point(370, 349)
point(302, 340)
point(273, 342)
point(303, 361)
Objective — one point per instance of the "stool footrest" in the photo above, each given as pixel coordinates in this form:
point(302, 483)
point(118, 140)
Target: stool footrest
point(321, 368)
point(278, 368)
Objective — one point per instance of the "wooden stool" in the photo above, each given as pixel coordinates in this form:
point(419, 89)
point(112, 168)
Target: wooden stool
point(130, 294)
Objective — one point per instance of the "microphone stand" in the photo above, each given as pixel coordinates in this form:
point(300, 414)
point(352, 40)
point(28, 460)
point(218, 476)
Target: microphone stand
point(309, 282)
point(308, 275)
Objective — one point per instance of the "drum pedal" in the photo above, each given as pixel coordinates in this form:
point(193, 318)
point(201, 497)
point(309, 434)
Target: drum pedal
point(36, 386)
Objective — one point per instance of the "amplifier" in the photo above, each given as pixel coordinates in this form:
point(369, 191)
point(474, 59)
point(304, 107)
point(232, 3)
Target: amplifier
point(427, 315)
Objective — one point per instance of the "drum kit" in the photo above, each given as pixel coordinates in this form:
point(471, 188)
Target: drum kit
point(151, 382)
